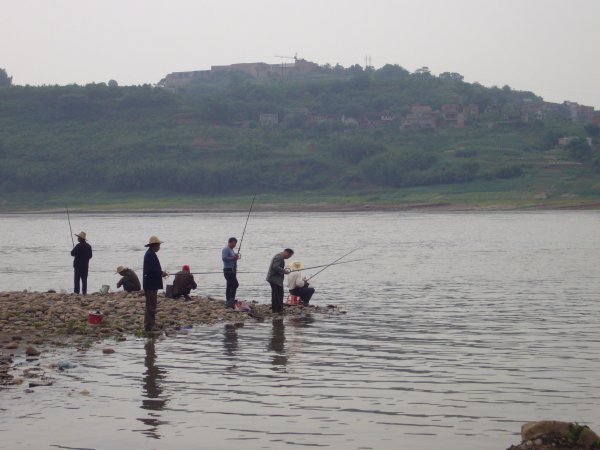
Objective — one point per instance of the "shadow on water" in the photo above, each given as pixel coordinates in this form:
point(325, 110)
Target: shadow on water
point(230, 340)
point(277, 344)
point(153, 402)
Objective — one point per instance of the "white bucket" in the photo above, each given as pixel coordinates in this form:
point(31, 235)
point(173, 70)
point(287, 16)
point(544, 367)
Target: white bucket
point(104, 289)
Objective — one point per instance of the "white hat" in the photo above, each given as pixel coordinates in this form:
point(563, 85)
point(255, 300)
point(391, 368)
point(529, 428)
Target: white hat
point(81, 235)
point(297, 265)
point(153, 240)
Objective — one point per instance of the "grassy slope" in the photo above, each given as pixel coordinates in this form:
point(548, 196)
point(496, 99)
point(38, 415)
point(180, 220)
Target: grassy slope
point(298, 167)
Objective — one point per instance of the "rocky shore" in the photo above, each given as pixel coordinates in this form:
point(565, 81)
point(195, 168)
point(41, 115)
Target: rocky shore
point(30, 321)
point(555, 435)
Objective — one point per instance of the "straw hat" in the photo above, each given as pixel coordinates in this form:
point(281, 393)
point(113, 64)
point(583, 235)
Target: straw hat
point(120, 269)
point(153, 240)
point(81, 235)
point(297, 265)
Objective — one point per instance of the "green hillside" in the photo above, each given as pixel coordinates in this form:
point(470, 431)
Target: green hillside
point(335, 136)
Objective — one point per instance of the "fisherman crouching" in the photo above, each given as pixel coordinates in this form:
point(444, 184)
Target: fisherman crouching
point(183, 283)
point(297, 285)
point(129, 280)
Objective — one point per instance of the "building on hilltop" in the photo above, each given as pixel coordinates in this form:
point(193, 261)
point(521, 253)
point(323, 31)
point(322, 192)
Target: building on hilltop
point(579, 113)
point(300, 67)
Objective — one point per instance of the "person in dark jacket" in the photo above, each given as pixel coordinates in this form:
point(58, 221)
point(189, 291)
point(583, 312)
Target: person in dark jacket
point(183, 283)
point(129, 280)
point(82, 254)
point(152, 281)
point(275, 278)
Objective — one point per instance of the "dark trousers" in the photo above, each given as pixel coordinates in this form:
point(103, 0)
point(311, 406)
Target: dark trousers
point(305, 294)
point(276, 297)
point(150, 313)
point(80, 274)
point(231, 289)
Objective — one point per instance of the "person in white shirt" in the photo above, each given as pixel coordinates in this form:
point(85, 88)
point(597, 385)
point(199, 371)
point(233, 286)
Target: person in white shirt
point(297, 285)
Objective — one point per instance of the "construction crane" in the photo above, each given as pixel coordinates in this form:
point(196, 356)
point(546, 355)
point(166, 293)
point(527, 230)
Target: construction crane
point(285, 65)
point(295, 57)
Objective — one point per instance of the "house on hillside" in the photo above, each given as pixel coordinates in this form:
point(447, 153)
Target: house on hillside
point(564, 141)
point(268, 119)
point(420, 117)
point(579, 113)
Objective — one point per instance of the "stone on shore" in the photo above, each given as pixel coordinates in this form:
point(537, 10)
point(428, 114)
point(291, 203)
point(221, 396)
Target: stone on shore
point(556, 435)
point(42, 317)
point(32, 351)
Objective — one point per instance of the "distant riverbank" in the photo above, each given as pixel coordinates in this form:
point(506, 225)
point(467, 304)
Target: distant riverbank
point(232, 207)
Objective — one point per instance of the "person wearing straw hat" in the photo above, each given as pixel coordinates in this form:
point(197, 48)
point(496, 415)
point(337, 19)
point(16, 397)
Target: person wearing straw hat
point(297, 285)
point(82, 254)
point(275, 275)
point(152, 281)
point(129, 280)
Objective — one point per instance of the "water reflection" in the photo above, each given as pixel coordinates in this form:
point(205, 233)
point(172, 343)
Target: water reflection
point(153, 390)
point(230, 339)
point(301, 321)
point(277, 343)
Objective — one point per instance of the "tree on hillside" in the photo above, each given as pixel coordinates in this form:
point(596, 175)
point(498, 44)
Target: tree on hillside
point(592, 130)
point(5, 80)
point(451, 76)
point(579, 150)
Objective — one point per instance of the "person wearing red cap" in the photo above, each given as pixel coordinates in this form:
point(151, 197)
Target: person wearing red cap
point(183, 283)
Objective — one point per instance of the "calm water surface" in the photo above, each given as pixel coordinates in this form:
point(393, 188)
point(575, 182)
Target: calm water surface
point(459, 328)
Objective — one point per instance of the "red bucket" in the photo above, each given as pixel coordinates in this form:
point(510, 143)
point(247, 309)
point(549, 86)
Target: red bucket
point(293, 299)
point(94, 317)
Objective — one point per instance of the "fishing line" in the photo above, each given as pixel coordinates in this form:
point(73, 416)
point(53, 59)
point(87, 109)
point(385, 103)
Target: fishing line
point(333, 263)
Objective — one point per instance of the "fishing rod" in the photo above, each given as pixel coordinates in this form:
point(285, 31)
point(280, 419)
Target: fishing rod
point(70, 229)
point(246, 224)
point(220, 273)
point(329, 265)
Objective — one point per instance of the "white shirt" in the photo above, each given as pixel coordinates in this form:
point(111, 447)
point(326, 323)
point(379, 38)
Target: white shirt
point(295, 280)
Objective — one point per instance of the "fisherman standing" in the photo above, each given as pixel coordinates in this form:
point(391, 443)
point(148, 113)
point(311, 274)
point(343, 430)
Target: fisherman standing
point(275, 278)
point(82, 253)
point(129, 280)
point(297, 285)
point(153, 275)
point(230, 259)
point(183, 283)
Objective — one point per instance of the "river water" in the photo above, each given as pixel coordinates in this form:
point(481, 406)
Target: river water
point(459, 328)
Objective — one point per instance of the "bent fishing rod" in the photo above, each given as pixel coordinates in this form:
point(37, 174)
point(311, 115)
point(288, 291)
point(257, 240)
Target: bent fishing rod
point(306, 268)
point(70, 229)
point(329, 265)
point(334, 262)
point(246, 224)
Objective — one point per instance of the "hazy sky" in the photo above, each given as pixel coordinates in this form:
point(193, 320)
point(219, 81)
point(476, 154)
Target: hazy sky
point(546, 46)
